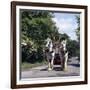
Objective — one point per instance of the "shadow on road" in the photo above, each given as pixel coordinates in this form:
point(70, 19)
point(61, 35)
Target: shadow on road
point(55, 69)
point(45, 69)
point(76, 65)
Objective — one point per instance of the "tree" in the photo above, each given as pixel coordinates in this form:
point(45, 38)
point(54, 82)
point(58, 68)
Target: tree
point(36, 26)
point(64, 36)
point(78, 36)
point(78, 28)
point(72, 47)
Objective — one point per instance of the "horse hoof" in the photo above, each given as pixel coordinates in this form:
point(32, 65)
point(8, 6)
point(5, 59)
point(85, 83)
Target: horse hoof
point(65, 69)
point(49, 69)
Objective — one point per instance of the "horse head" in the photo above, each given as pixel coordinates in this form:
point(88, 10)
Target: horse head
point(63, 44)
point(49, 44)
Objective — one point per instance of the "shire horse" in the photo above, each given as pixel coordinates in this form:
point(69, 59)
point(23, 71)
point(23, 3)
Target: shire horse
point(54, 51)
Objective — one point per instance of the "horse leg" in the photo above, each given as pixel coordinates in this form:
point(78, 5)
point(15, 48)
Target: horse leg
point(49, 66)
point(48, 60)
point(52, 61)
point(62, 61)
point(65, 62)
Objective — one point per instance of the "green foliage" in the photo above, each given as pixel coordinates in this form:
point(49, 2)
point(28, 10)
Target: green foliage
point(64, 36)
point(78, 35)
point(72, 45)
point(78, 28)
point(73, 48)
point(36, 26)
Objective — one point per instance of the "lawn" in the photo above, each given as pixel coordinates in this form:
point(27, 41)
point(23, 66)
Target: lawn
point(26, 65)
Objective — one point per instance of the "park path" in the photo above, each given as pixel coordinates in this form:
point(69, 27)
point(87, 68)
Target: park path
point(73, 69)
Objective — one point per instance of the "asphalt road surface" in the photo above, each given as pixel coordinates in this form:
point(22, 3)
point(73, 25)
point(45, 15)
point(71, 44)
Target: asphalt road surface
point(73, 69)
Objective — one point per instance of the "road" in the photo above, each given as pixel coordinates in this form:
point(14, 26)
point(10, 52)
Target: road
point(73, 69)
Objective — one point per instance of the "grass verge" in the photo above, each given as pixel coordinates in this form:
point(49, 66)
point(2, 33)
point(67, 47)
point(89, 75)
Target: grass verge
point(26, 65)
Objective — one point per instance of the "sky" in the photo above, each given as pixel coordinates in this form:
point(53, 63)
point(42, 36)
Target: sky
point(66, 22)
